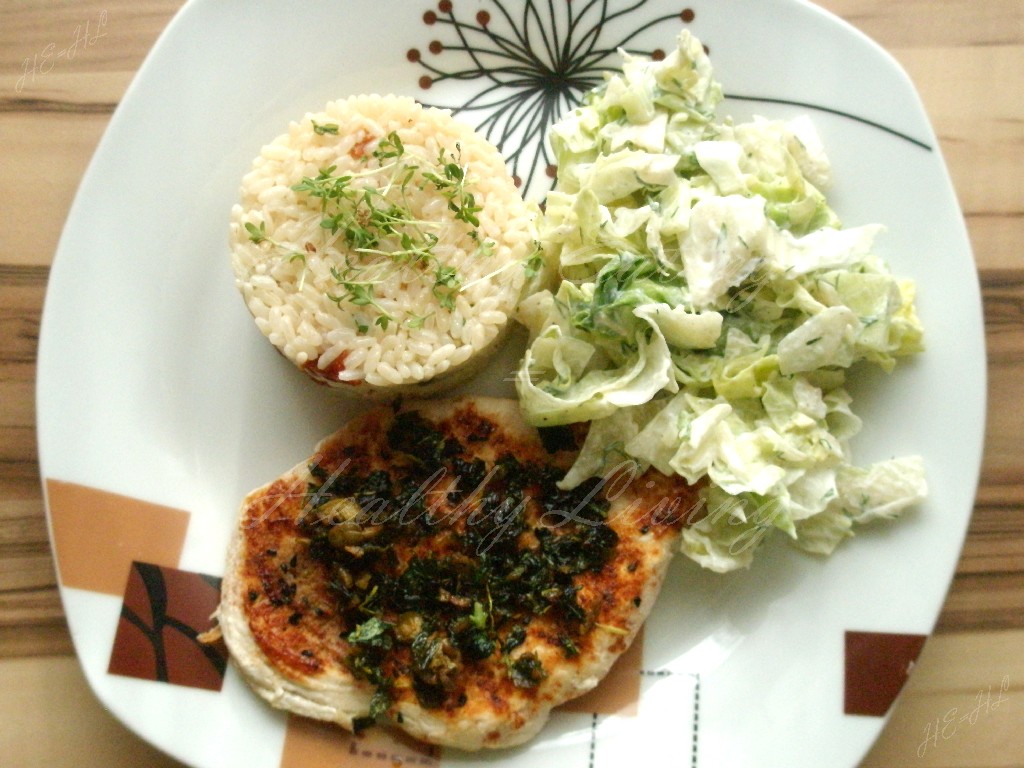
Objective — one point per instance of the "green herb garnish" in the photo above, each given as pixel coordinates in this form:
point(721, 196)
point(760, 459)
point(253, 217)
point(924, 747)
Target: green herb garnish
point(415, 618)
point(321, 129)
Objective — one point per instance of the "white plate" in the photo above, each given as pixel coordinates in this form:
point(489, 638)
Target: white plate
point(153, 382)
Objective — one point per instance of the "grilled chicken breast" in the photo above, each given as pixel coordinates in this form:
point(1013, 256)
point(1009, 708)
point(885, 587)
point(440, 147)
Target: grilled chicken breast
point(423, 568)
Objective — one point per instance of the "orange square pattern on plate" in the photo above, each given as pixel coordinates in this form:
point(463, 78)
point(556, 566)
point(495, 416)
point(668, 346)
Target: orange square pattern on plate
point(97, 535)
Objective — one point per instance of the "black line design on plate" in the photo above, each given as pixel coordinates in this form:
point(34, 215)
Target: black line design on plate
point(695, 729)
point(593, 740)
point(533, 66)
point(154, 634)
point(696, 721)
point(833, 111)
point(156, 593)
point(535, 60)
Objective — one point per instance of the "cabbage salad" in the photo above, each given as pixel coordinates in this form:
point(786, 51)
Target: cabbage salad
point(708, 307)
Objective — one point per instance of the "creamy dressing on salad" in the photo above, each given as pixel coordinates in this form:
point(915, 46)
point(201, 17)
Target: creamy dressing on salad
point(709, 308)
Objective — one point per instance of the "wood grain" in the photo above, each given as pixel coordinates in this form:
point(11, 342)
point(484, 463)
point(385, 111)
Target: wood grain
point(51, 719)
point(965, 58)
point(932, 23)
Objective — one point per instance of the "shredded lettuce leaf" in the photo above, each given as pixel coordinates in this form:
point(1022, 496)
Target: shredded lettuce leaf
point(710, 306)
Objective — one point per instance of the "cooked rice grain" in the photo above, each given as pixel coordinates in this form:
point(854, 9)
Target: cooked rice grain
point(298, 301)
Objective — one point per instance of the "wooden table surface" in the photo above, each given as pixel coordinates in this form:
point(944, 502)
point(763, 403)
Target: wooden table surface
point(966, 58)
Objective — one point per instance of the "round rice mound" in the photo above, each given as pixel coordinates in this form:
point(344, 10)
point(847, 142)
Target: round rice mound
point(385, 321)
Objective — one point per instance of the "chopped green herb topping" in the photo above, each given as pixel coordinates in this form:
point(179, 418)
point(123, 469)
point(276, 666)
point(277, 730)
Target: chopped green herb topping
point(320, 130)
point(527, 671)
point(431, 592)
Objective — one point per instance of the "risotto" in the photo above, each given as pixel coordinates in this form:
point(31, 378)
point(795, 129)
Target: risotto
point(382, 244)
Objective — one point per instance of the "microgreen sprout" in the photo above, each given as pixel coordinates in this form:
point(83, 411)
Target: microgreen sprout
point(258, 234)
point(446, 285)
point(389, 147)
point(360, 294)
point(320, 129)
point(417, 321)
point(451, 183)
point(534, 263)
